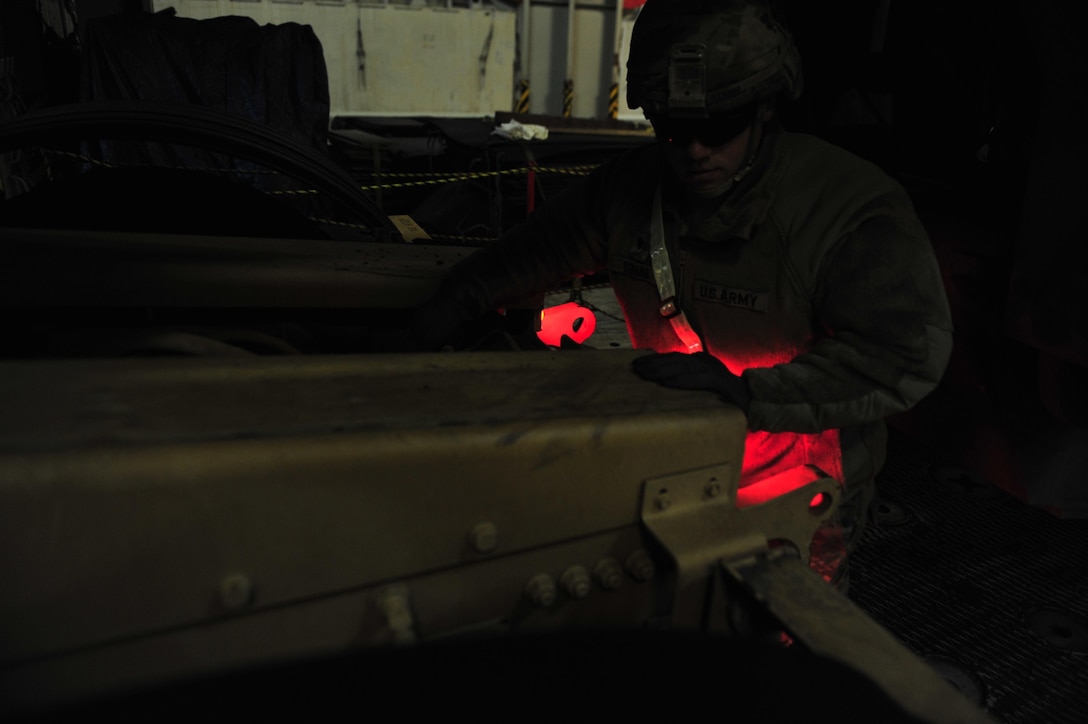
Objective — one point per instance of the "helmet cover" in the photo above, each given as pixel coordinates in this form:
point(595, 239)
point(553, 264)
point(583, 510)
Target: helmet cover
point(694, 57)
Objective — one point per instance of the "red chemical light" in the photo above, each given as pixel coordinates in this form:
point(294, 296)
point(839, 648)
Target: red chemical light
point(570, 319)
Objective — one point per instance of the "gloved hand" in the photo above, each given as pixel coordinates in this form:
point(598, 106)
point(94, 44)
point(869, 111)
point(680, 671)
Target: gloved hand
point(443, 321)
point(699, 371)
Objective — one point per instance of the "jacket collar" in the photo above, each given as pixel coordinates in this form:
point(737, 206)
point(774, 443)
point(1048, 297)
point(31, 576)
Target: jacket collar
point(746, 206)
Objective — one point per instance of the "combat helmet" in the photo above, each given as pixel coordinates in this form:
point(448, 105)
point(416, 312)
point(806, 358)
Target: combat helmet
point(697, 57)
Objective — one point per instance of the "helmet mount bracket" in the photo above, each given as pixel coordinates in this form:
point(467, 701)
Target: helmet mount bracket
point(687, 81)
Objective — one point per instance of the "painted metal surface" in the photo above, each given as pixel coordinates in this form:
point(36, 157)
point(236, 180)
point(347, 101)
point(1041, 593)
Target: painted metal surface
point(394, 59)
point(162, 518)
point(400, 58)
point(171, 270)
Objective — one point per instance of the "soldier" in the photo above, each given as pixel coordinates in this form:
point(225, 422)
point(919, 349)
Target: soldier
point(787, 275)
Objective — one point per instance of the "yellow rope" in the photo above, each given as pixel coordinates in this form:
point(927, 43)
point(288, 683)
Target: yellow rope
point(429, 179)
point(106, 164)
point(78, 157)
point(454, 177)
point(439, 237)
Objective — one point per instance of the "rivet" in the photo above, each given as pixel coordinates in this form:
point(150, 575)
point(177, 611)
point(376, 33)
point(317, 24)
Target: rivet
point(394, 604)
point(235, 591)
point(484, 537)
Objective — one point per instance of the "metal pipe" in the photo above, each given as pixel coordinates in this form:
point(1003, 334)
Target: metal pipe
point(522, 102)
point(568, 83)
point(617, 69)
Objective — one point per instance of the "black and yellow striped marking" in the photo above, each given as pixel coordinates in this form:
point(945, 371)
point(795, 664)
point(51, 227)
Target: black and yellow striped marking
point(521, 102)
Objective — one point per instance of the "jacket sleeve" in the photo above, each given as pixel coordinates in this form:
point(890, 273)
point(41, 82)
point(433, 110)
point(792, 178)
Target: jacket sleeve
point(563, 239)
point(887, 335)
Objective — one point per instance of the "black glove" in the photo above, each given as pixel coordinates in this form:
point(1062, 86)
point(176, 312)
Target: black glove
point(699, 371)
point(448, 319)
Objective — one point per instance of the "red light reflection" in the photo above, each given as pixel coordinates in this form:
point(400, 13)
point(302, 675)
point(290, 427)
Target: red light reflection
point(769, 454)
point(777, 485)
point(819, 503)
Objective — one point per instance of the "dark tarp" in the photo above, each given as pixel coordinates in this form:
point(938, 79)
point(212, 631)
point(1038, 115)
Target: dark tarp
point(274, 75)
point(271, 75)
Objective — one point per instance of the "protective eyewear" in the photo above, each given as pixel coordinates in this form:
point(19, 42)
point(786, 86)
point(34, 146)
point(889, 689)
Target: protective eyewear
point(714, 130)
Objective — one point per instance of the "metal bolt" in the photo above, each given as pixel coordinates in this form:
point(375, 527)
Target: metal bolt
point(712, 489)
point(576, 582)
point(662, 502)
point(541, 590)
point(641, 566)
point(609, 573)
point(885, 512)
point(393, 603)
point(235, 591)
point(484, 537)
point(1059, 628)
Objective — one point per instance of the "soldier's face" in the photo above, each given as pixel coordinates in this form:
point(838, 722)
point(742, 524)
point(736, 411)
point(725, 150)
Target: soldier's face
point(707, 171)
point(705, 154)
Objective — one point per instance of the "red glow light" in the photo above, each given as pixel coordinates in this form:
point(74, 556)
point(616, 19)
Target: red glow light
point(566, 320)
point(777, 485)
point(776, 463)
point(819, 503)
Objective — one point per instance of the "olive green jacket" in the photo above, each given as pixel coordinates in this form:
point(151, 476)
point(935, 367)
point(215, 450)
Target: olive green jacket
point(815, 281)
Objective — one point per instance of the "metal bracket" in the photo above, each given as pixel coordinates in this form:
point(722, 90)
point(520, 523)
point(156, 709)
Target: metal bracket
point(818, 617)
point(687, 80)
point(694, 516)
point(722, 552)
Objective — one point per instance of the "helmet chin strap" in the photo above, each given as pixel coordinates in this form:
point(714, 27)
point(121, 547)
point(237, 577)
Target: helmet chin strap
point(755, 138)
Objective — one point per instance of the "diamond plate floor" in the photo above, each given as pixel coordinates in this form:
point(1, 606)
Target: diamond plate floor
point(991, 591)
